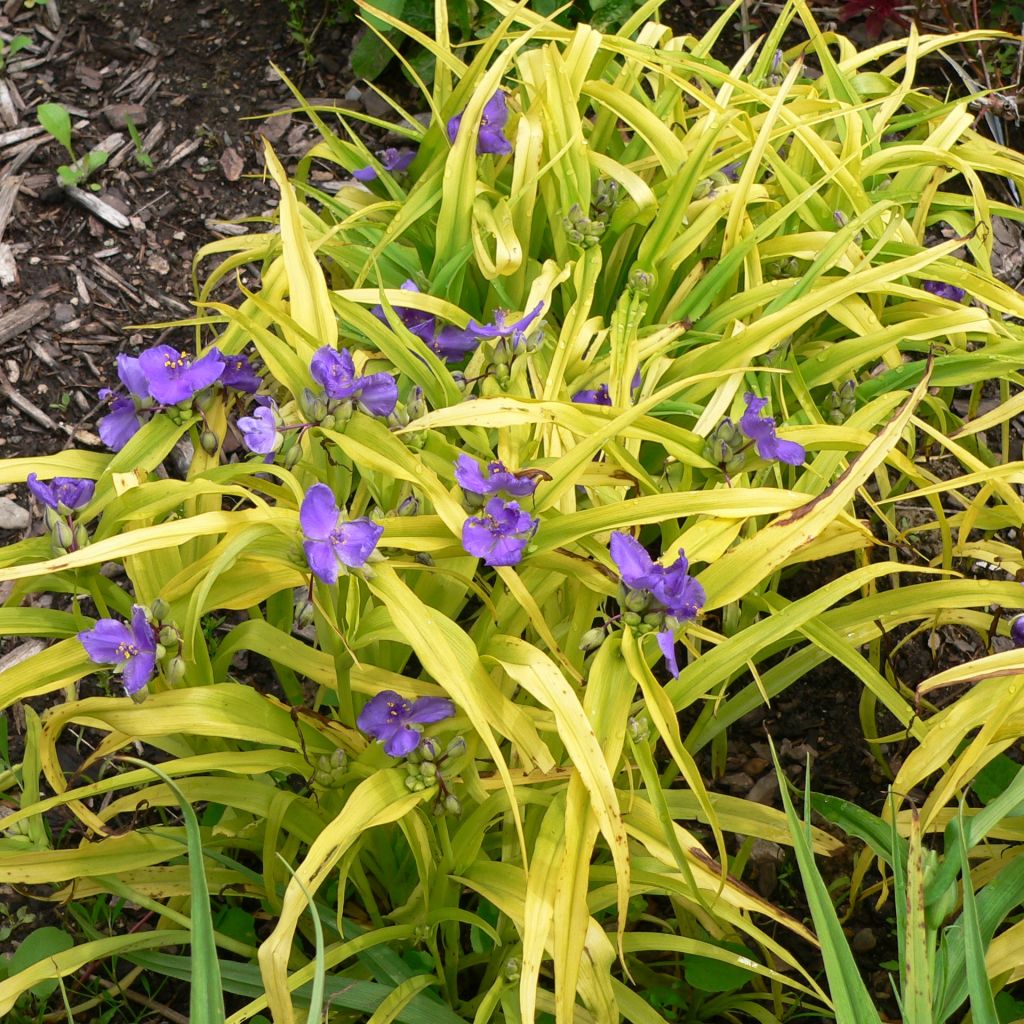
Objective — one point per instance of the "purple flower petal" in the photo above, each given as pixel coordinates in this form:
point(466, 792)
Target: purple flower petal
point(491, 137)
point(402, 741)
point(595, 396)
point(107, 642)
point(321, 559)
point(1017, 631)
point(431, 709)
point(682, 596)
point(667, 643)
point(469, 476)
point(631, 559)
point(259, 431)
point(239, 374)
point(355, 540)
point(377, 393)
point(172, 375)
point(944, 291)
point(500, 535)
point(335, 372)
point(454, 343)
point(131, 376)
point(501, 329)
point(319, 513)
point(138, 671)
point(120, 425)
point(71, 492)
point(761, 430)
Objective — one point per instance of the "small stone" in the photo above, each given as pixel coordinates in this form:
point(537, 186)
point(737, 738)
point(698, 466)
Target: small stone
point(737, 782)
point(13, 516)
point(863, 941)
point(117, 114)
point(755, 765)
point(63, 312)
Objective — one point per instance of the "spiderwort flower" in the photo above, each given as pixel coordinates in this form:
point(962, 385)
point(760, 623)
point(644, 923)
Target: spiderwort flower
point(491, 138)
point(391, 159)
point(63, 494)
point(501, 534)
point(390, 719)
point(260, 431)
point(173, 376)
point(335, 371)
point(240, 374)
point(1017, 631)
point(330, 543)
point(132, 649)
point(471, 477)
point(944, 291)
point(601, 395)
point(679, 594)
point(761, 430)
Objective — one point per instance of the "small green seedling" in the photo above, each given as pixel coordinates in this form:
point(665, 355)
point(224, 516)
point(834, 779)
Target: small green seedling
point(57, 121)
point(142, 158)
point(8, 50)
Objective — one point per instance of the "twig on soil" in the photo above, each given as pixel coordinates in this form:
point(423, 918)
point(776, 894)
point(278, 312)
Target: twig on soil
point(98, 208)
point(19, 320)
point(8, 193)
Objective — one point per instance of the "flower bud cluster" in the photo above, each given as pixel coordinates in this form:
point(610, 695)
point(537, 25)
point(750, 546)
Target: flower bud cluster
point(725, 446)
point(330, 769)
point(582, 230)
point(841, 404)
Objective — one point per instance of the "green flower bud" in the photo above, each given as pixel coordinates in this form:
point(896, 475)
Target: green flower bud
point(637, 600)
point(641, 282)
point(452, 805)
point(62, 536)
point(423, 558)
point(654, 619)
point(303, 611)
point(51, 517)
point(209, 441)
point(168, 636)
point(175, 671)
point(161, 652)
point(160, 609)
point(631, 619)
point(313, 405)
point(429, 749)
point(292, 456)
point(339, 758)
point(456, 748)
point(574, 236)
point(639, 728)
point(410, 506)
point(592, 639)
point(413, 784)
point(329, 421)
point(512, 969)
point(703, 188)
point(81, 536)
point(416, 406)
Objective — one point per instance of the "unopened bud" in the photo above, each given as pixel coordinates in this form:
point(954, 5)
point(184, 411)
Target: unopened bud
point(641, 281)
point(175, 671)
point(452, 805)
point(512, 969)
point(703, 188)
point(160, 609)
point(456, 748)
point(654, 619)
point(209, 442)
point(533, 339)
point(63, 536)
point(409, 506)
point(338, 758)
point(292, 456)
point(168, 636)
point(304, 612)
point(81, 536)
point(416, 406)
point(631, 619)
point(592, 639)
point(637, 600)
point(313, 405)
point(429, 749)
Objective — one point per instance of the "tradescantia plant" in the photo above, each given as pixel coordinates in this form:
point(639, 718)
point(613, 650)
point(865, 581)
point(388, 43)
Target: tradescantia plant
point(503, 472)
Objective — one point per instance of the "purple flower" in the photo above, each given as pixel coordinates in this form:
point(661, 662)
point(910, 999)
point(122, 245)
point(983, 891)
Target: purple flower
point(944, 291)
point(594, 396)
point(131, 649)
point(63, 493)
point(679, 593)
point(1017, 631)
point(501, 329)
point(470, 477)
point(173, 376)
point(667, 643)
point(260, 430)
point(389, 719)
point(329, 542)
point(416, 321)
point(239, 373)
point(121, 424)
point(501, 534)
point(391, 159)
point(335, 371)
point(761, 430)
point(600, 395)
point(492, 127)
